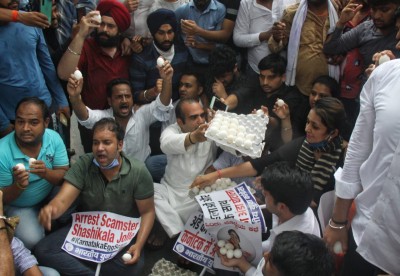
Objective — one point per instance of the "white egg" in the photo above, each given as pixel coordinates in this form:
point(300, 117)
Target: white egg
point(237, 253)
point(213, 187)
point(232, 131)
point(222, 251)
point(218, 182)
point(97, 18)
point(202, 192)
point(31, 161)
point(229, 253)
point(78, 75)
point(20, 167)
point(216, 124)
point(230, 138)
point(218, 116)
point(160, 62)
point(225, 126)
point(213, 131)
point(229, 246)
point(239, 141)
point(219, 188)
point(207, 189)
point(126, 257)
point(383, 59)
point(233, 126)
point(260, 112)
point(235, 121)
point(248, 144)
point(337, 248)
point(222, 135)
point(195, 190)
point(221, 243)
point(240, 134)
point(280, 102)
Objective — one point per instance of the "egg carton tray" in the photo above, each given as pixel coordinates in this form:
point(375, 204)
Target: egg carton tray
point(238, 133)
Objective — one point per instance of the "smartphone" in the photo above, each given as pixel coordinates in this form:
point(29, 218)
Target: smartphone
point(46, 8)
point(216, 104)
point(80, 12)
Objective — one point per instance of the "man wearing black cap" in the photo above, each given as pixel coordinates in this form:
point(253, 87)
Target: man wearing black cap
point(144, 74)
point(99, 58)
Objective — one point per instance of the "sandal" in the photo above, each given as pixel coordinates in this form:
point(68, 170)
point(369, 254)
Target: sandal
point(157, 237)
point(184, 263)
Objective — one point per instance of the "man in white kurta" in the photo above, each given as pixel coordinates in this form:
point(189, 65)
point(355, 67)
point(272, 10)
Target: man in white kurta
point(371, 177)
point(189, 154)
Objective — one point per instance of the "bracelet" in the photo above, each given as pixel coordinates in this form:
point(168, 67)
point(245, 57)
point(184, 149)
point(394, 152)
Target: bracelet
point(334, 226)
point(286, 128)
point(14, 16)
point(3, 217)
point(73, 52)
point(219, 174)
point(339, 222)
point(190, 140)
point(19, 186)
point(144, 95)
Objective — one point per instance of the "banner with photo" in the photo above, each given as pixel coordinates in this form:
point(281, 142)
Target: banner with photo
point(234, 203)
point(99, 236)
point(243, 236)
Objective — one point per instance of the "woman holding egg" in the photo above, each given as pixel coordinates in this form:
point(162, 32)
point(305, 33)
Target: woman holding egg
point(319, 152)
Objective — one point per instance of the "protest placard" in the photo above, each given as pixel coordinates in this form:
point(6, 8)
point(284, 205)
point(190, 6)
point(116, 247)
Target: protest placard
point(234, 203)
point(195, 243)
point(241, 235)
point(99, 236)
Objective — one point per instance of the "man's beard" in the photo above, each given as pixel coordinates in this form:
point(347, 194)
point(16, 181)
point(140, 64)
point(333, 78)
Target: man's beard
point(110, 42)
point(163, 46)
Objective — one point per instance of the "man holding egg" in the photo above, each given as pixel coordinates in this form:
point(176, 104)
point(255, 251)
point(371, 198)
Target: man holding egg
point(189, 153)
point(34, 160)
point(99, 58)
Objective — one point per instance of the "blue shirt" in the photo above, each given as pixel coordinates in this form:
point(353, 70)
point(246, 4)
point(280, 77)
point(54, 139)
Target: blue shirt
point(53, 153)
point(26, 69)
point(210, 19)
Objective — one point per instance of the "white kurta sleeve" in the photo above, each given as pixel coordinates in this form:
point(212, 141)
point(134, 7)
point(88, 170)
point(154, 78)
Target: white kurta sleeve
point(94, 116)
point(348, 182)
point(172, 140)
